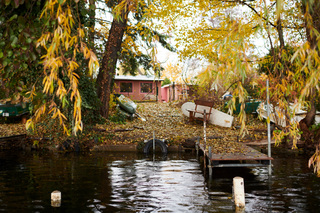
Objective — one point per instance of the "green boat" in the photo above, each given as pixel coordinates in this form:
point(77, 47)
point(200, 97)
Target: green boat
point(250, 107)
point(127, 104)
point(14, 110)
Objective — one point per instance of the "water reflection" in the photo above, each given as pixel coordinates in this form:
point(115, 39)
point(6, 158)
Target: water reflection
point(169, 186)
point(129, 182)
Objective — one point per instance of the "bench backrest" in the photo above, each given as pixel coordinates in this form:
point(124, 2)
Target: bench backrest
point(204, 103)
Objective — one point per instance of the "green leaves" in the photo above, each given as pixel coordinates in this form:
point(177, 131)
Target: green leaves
point(13, 17)
point(14, 41)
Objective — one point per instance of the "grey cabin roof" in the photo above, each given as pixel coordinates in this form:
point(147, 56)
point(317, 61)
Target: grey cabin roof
point(137, 78)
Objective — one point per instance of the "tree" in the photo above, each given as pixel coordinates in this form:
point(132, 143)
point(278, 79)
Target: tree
point(122, 37)
point(222, 33)
point(166, 81)
point(19, 62)
point(109, 61)
point(45, 42)
point(173, 72)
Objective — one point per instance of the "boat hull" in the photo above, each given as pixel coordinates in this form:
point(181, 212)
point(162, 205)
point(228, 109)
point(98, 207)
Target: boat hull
point(127, 104)
point(217, 117)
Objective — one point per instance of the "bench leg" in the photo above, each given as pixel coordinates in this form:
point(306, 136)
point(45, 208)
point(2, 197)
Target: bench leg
point(191, 114)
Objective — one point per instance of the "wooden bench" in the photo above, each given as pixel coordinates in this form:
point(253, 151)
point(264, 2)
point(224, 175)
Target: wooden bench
point(193, 113)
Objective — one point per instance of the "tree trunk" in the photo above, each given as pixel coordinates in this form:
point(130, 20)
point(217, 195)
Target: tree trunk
point(109, 61)
point(280, 33)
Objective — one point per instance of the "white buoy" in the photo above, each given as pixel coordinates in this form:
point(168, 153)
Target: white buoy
point(56, 198)
point(238, 192)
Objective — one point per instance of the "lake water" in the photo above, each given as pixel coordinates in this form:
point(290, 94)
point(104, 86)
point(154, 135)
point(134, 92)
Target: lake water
point(130, 182)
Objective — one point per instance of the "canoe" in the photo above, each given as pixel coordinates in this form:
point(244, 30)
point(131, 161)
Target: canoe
point(277, 117)
point(217, 117)
point(127, 104)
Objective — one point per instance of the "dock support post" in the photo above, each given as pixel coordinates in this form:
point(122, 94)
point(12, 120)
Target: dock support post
point(154, 143)
point(204, 160)
point(204, 129)
point(238, 193)
point(204, 140)
point(209, 159)
point(197, 146)
point(269, 131)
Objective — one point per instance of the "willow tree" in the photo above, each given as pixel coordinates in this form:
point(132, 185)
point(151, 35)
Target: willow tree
point(308, 55)
point(43, 46)
point(223, 33)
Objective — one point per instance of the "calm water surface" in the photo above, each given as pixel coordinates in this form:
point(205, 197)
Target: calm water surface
point(129, 182)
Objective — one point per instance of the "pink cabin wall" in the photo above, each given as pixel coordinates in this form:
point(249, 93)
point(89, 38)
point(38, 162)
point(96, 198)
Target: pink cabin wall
point(173, 93)
point(164, 94)
point(136, 93)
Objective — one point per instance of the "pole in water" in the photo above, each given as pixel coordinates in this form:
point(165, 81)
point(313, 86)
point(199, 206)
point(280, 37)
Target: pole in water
point(204, 129)
point(204, 140)
point(154, 143)
point(269, 131)
point(209, 159)
point(56, 198)
point(238, 192)
point(197, 146)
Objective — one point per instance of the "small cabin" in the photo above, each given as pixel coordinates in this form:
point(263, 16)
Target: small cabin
point(174, 92)
point(139, 88)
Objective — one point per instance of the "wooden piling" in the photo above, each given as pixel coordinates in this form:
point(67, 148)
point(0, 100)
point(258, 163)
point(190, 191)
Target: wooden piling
point(209, 159)
point(205, 139)
point(197, 146)
point(205, 129)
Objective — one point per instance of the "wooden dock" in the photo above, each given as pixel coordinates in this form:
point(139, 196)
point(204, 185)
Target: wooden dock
point(244, 156)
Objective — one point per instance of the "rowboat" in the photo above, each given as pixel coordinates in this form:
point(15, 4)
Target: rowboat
point(216, 117)
point(127, 104)
point(128, 107)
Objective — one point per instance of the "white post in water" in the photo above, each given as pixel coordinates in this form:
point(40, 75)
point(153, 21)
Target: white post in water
point(238, 192)
point(269, 131)
point(56, 198)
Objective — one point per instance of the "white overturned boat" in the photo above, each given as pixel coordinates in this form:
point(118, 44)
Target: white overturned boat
point(217, 117)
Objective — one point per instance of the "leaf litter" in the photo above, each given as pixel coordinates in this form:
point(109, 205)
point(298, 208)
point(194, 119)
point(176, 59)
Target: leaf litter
point(165, 121)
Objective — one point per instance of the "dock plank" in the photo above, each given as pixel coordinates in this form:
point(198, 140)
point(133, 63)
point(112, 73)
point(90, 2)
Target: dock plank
point(246, 154)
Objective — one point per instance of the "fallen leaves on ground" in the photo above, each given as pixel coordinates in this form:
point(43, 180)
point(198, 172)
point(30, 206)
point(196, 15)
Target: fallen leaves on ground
point(12, 129)
point(166, 121)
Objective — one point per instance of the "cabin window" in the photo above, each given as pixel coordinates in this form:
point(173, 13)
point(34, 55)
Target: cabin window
point(146, 87)
point(125, 87)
